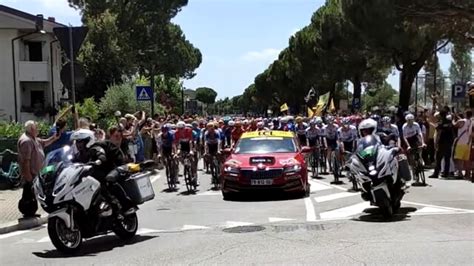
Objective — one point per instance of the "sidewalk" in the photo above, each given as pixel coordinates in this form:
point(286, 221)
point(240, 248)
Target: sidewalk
point(10, 217)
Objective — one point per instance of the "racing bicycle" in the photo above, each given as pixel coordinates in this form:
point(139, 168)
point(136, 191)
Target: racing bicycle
point(418, 167)
point(314, 161)
point(336, 165)
point(170, 167)
point(189, 177)
point(215, 169)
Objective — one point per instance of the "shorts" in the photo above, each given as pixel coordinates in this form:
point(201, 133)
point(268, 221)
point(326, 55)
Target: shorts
point(462, 152)
point(332, 144)
point(167, 151)
point(349, 146)
point(212, 148)
point(302, 139)
point(313, 142)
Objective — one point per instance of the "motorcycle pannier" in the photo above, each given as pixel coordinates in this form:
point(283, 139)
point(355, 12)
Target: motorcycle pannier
point(139, 188)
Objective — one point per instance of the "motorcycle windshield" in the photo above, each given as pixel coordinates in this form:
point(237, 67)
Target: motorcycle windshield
point(61, 156)
point(368, 154)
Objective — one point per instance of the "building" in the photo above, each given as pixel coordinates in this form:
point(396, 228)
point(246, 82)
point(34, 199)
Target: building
point(30, 85)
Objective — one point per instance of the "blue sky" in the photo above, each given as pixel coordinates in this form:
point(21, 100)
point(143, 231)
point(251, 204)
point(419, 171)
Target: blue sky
point(238, 38)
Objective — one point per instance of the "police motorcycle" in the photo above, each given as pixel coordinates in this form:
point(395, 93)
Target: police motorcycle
point(376, 170)
point(77, 206)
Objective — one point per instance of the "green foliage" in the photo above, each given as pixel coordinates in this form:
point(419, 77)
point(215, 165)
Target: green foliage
point(14, 130)
point(460, 69)
point(384, 96)
point(121, 97)
point(88, 108)
point(206, 95)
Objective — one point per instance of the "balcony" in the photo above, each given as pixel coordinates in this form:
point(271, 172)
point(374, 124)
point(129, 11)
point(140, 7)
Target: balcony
point(33, 71)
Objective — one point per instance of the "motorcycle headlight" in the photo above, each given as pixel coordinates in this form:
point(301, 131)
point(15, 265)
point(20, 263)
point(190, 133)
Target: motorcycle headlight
point(58, 190)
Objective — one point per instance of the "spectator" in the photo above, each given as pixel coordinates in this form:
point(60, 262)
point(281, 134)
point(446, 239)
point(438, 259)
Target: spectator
point(462, 144)
point(60, 125)
point(31, 159)
point(444, 143)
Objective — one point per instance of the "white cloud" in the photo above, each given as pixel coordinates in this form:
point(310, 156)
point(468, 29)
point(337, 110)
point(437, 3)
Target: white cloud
point(263, 55)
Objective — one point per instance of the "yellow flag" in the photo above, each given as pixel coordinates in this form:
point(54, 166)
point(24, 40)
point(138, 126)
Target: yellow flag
point(310, 113)
point(319, 107)
point(331, 106)
point(284, 107)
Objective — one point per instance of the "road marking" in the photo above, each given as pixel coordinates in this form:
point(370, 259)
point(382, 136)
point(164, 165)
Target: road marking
point(14, 234)
point(330, 185)
point(310, 213)
point(316, 186)
point(188, 227)
point(277, 219)
point(345, 211)
point(230, 224)
point(436, 206)
point(156, 177)
point(144, 231)
point(334, 196)
point(210, 193)
point(44, 240)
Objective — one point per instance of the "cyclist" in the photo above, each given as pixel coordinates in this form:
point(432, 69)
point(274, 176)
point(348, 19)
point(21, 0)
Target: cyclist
point(167, 145)
point(412, 136)
point(300, 129)
point(211, 141)
point(330, 136)
point(283, 124)
point(390, 131)
point(237, 132)
point(347, 135)
point(184, 142)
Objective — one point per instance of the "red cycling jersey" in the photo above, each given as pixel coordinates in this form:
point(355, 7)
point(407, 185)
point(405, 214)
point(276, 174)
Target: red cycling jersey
point(237, 133)
point(183, 135)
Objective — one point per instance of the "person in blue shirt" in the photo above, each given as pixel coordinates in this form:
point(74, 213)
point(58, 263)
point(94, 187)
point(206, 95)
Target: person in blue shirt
point(60, 128)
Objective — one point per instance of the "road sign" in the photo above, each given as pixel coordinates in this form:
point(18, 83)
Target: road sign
point(144, 93)
point(78, 36)
point(79, 75)
point(458, 92)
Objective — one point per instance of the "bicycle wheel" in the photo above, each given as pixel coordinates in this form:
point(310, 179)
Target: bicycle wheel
point(187, 177)
point(335, 167)
point(314, 164)
point(421, 172)
point(169, 180)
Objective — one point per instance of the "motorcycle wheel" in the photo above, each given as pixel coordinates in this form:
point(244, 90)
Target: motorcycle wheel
point(127, 228)
point(387, 210)
point(64, 239)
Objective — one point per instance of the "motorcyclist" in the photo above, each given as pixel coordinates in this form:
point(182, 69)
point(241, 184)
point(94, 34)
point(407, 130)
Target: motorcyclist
point(105, 157)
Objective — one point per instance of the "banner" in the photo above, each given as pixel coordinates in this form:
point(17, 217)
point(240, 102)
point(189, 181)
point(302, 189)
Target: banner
point(284, 107)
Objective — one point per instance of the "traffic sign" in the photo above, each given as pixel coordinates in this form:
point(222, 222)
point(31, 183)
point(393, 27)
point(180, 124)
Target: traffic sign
point(78, 36)
point(79, 75)
point(458, 92)
point(144, 93)
point(356, 103)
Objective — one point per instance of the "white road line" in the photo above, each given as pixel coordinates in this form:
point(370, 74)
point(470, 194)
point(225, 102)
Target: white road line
point(230, 224)
point(310, 213)
point(330, 185)
point(316, 186)
point(210, 193)
point(345, 211)
point(188, 227)
point(144, 231)
point(44, 240)
point(277, 219)
point(334, 196)
point(154, 178)
point(436, 206)
point(14, 234)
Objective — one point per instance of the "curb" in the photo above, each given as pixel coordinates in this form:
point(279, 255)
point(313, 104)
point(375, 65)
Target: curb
point(23, 224)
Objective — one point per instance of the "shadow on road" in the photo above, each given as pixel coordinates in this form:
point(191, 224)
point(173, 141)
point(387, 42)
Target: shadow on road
point(267, 196)
point(168, 190)
point(94, 246)
point(374, 215)
point(187, 193)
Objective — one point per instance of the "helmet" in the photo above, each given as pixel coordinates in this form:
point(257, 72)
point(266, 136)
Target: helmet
point(246, 122)
point(346, 121)
point(260, 124)
point(165, 127)
point(312, 122)
point(231, 123)
point(375, 117)
point(189, 126)
point(172, 126)
point(318, 120)
point(409, 117)
point(299, 119)
point(386, 119)
point(368, 124)
point(330, 119)
point(84, 135)
point(180, 124)
point(210, 125)
point(195, 124)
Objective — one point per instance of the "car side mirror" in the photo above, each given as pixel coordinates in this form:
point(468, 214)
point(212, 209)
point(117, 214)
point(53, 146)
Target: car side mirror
point(306, 149)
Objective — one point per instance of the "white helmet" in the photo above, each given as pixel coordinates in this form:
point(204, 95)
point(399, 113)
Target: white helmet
point(231, 123)
point(409, 117)
point(180, 124)
point(260, 124)
point(84, 134)
point(368, 124)
point(284, 120)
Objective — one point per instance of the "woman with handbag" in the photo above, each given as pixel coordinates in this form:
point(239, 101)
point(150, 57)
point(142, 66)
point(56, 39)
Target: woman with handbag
point(462, 144)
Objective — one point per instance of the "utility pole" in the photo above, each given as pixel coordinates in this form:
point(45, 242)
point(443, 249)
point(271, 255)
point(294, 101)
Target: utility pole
point(73, 82)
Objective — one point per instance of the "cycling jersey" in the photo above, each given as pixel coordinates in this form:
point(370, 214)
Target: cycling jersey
point(411, 133)
point(184, 137)
point(348, 134)
point(167, 140)
point(196, 134)
point(212, 141)
point(390, 130)
point(313, 135)
point(300, 130)
point(330, 132)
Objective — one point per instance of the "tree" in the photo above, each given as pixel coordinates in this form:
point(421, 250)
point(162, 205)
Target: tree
point(206, 95)
point(383, 96)
point(408, 43)
point(460, 69)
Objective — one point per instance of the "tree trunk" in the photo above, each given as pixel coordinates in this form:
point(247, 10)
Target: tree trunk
point(407, 78)
point(357, 91)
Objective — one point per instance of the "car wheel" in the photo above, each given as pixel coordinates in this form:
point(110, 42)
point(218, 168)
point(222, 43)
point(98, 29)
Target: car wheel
point(228, 196)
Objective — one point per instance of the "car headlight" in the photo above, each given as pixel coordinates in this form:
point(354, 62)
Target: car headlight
point(58, 190)
point(232, 171)
point(294, 169)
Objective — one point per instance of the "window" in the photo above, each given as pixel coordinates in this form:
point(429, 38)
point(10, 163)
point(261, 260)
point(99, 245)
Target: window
point(35, 51)
point(37, 99)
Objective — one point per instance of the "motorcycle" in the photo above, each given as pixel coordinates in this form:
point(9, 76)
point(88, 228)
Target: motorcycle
point(78, 206)
point(376, 170)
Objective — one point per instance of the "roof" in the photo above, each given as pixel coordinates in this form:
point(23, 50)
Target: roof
point(24, 15)
point(268, 133)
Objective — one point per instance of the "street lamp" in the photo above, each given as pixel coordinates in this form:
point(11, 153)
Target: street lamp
point(39, 29)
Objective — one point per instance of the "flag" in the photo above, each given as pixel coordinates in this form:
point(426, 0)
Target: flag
point(319, 107)
point(331, 106)
point(310, 113)
point(284, 107)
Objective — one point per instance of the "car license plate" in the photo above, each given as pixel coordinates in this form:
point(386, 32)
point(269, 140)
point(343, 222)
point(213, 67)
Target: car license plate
point(261, 182)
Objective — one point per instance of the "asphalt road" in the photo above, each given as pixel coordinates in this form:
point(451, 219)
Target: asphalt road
point(332, 226)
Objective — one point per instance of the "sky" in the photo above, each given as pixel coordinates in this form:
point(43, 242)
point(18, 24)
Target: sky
point(238, 39)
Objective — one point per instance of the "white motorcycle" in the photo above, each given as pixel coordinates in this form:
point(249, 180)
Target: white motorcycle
point(76, 203)
point(376, 169)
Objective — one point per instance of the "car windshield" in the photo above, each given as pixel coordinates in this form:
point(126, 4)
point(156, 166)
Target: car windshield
point(264, 145)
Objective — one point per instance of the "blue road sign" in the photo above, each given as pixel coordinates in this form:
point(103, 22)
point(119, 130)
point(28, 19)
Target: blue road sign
point(458, 92)
point(144, 93)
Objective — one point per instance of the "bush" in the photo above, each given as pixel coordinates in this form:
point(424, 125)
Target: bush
point(14, 130)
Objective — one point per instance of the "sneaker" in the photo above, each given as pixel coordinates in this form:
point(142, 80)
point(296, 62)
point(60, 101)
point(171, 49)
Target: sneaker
point(433, 176)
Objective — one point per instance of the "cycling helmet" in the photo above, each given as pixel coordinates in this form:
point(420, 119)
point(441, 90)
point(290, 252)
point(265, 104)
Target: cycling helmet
point(409, 117)
point(189, 126)
point(299, 119)
point(346, 121)
point(195, 124)
point(386, 119)
point(330, 119)
point(180, 124)
point(375, 117)
point(367, 126)
point(312, 122)
point(84, 135)
point(231, 123)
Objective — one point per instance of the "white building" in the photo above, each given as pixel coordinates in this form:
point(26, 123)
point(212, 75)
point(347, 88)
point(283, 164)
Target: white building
point(30, 66)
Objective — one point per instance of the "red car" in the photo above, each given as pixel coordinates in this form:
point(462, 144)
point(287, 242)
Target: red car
point(266, 160)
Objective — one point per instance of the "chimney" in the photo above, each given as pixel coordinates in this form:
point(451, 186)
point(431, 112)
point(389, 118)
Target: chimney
point(51, 19)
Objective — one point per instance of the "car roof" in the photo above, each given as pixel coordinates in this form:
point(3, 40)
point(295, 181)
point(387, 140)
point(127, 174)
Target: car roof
point(267, 133)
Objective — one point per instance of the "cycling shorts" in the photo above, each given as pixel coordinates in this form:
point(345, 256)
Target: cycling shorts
point(332, 144)
point(349, 146)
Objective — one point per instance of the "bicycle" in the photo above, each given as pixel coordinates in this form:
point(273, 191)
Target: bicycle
point(351, 177)
point(418, 167)
point(323, 162)
point(336, 168)
point(12, 175)
point(215, 168)
point(314, 162)
point(170, 172)
point(189, 178)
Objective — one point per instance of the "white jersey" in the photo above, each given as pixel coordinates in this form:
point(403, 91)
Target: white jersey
point(411, 131)
point(330, 131)
point(393, 129)
point(347, 135)
point(313, 133)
